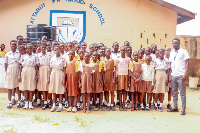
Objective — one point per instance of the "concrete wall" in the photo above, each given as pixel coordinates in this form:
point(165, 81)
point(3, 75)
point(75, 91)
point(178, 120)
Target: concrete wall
point(124, 20)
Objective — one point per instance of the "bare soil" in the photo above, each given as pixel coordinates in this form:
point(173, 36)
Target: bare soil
point(37, 120)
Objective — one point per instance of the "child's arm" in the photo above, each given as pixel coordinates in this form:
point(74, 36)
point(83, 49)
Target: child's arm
point(37, 73)
point(131, 74)
point(154, 78)
point(20, 71)
point(66, 81)
point(80, 84)
point(167, 71)
point(64, 70)
point(6, 66)
point(49, 74)
point(93, 80)
point(102, 77)
point(114, 76)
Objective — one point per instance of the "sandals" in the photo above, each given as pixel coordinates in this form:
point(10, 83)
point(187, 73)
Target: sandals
point(121, 108)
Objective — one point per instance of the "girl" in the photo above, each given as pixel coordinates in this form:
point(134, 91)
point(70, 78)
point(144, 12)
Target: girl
point(28, 75)
point(86, 83)
point(12, 71)
point(44, 39)
point(56, 78)
point(147, 77)
point(135, 70)
point(76, 48)
point(92, 49)
point(140, 56)
point(19, 40)
point(129, 52)
point(49, 46)
point(42, 86)
point(161, 74)
point(122, 64)
point(109, 79)
point(103, 48)
point(72, 81)
point(84, 46)
point(98, 80)
point(62, 46)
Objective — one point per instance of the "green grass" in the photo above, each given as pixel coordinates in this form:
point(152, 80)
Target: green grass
point(12, 130)
point(83, 123)
point(77, 119)
point(38, 118)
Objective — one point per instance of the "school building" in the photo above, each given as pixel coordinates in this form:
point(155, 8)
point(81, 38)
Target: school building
point(141, 22)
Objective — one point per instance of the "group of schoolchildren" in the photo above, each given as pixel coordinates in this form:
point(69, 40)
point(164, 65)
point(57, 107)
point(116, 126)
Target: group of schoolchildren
point(65, 74)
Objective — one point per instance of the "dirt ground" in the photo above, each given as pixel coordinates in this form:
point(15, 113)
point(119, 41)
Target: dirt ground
point(37, 120)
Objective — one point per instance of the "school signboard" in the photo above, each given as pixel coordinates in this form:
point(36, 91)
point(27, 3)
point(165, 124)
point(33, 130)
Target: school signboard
point(141, 22)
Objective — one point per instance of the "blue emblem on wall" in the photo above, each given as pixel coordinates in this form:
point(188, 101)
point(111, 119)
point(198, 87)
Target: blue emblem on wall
point(71, 25)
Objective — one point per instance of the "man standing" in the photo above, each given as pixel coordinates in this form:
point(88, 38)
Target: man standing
point(179, 59)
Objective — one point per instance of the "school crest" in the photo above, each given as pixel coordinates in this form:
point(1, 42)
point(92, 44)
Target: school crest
point(71, 25)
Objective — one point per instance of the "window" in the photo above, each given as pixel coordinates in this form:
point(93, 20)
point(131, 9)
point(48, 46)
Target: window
point(165, 35)
point(147, 41)
point(141, 35)
point(154, 35)
point(159, 41)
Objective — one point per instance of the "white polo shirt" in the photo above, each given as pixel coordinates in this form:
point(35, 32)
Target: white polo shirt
point(177, 60)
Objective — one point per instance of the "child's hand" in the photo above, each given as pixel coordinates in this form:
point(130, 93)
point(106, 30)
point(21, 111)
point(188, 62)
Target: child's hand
point(166, 83)
point(101, 84)
point(48, 81)
point(36, 78)
point(80, 85)
point(154, 81)
point(66, 84)
point(92, 85)
point(152, 87)
point(20, 79)
point(63, 82)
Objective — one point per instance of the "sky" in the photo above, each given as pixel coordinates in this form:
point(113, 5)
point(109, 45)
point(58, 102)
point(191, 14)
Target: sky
point(191, 27)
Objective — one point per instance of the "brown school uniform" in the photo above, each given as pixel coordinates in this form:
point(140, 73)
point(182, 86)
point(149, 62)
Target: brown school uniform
point(136, 69)
point(86, 78)
point(97, 77)
point(109, 66)
point(72, 78)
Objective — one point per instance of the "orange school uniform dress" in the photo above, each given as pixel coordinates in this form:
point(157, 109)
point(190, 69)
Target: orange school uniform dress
point(122, 72)
point(98, 67)
point(86, 77)
point(72, 78)
point(136, 69)
point(109, 68)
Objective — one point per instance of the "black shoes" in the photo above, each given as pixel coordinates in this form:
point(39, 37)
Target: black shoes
point(108, 108)
point(183, 112)
point(172, 110)
point(9, 106)
point(169, 106)
point(19, 105)
point(112, 108)
point(44, 106)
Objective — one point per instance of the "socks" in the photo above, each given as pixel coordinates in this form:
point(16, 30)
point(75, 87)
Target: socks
point(90, 102)
point(142, 106)
point(108, 104)
point(54, 105)
point(169, 102)
point(60, 105)
point(147, 106)
point(30, 104)
point(158, 101)
point(38, 101)
point(102, 102)
point(17, 96)
point(26, 104)
point(156, 105)
point(48, 100)
point(67, 102)
point(57, 99)
point(118, 100)
point(23, 97)
point(9, 102)
point(45, 102)
point(13, 97)
point(97, 100)
point(160, 105)
point(18, 102)
point(63, 100)
point(78, 104)
point(112, 105)
point(127, 98)
point(81, 100)
point(105, 102)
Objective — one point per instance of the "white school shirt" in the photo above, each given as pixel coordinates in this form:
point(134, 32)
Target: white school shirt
point(177, 60)
point(12, 58)
point(115, 55)
point(44, 60)
point(30, 61)
point(57, 62)
point(147, 72)
point(161, 64)
point(122, 65)
point(80, 68)
point(153, 58)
